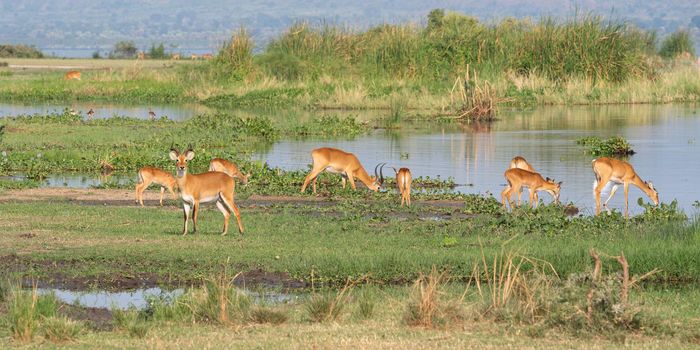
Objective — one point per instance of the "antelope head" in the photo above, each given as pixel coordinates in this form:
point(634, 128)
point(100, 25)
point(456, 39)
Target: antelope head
point(378, 178)
point(653, 193)
point(554, 188)
point(181, 159)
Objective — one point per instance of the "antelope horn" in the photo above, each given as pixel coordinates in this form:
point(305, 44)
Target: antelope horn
point(375, 170)
point(395, 171)
point(189, 148)
point(381, 173)
point(172, 148)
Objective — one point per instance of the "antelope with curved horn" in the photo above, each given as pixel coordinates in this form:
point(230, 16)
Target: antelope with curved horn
point(517, 178)
point(148, 175)
point(403, 180)
point(519, 162)
point(224, 166)
point(618, 172)
point(207, 187)
point(336, 161)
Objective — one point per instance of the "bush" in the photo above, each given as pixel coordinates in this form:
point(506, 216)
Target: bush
point(676, 44)
point(20, 51)
point(61, 329)
point(236, 55)
point(124, 49)
point(156, 52)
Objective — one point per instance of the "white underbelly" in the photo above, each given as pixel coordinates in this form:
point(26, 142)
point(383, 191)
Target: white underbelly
point(190, 199)
point(333, 170)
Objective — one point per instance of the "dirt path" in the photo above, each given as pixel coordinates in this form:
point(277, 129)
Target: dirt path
point(127, 198)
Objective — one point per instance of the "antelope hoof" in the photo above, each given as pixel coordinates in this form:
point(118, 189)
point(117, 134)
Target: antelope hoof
point(224, 233)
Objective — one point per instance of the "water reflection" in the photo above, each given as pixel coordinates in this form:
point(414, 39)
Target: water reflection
point(663, 136)
point(106, 110)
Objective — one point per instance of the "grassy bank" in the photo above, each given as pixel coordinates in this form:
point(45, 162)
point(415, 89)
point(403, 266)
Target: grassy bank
point(583, 60)
point(365, 316)
point(302, 240)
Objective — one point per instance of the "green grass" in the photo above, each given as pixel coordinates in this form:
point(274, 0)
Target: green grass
point(583, 60)
point(113, 242)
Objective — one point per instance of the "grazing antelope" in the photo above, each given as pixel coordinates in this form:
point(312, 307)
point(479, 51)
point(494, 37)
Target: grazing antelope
point(175, 57)
point(336, 161)
point(517, 178)
point(224, 166)
point(207, 56)
point(618, 172)
point(148, 175)
point(519, 162)
point(151, 114)
point(206, 187)
point(403, 179)
point(90, 113)
point(72, 74)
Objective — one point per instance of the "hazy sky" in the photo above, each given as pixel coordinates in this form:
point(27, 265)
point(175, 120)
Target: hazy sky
point(186, 23)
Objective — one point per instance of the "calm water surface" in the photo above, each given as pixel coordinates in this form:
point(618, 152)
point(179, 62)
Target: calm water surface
point(664, 137)
point(105, 110)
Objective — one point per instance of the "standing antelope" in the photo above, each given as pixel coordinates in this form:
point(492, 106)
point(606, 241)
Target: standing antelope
point(193, 57)
point(207, 56)
point(175, 57)
point(151, 114)
point(206, 187)
point(148, 175)
point(72, 74)
point(224, 166)
point(519, 162)
point(517, 178)
point(618, 172)
point(403, 179)
point(141, 55)
point(336, 161)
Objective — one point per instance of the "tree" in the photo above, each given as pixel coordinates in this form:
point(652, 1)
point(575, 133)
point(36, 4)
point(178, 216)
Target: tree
point(677, 44)
point(124, 49)
point(157, 52)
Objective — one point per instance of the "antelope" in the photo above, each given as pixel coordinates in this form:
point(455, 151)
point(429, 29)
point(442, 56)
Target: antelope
point(207, 56)
point(90, 113)
point(206, 187)
point(151, 114)
point(229, 168)
point(72, 74)
point(517, 178)
point(618, 172)
point(519, 162)
point(193, 56)
point(403, 179)
point(148, 175)
point(175, 57)
point(141, 55)
point(336, 161)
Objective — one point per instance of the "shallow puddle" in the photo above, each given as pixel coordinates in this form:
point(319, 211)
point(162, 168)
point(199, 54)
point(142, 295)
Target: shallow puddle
point(139, 298)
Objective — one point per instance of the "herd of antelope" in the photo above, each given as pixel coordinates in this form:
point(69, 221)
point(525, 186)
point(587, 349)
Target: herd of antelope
point(218, 184)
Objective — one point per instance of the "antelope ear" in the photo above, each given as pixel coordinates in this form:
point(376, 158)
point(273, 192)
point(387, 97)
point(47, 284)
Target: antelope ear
point(651, 185)
point(548, 179)
point(561, 182)
point(173, 155)
point(189, 155)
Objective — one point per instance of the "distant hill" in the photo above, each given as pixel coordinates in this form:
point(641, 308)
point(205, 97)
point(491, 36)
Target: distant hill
point(205, 24)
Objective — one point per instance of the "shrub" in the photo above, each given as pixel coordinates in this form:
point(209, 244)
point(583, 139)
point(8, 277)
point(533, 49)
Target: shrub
point(61, 329)
point(236, 55)
point(328, 306)
point(26, 309)
point(261, 314)
point(20, 51)
point(676, 44)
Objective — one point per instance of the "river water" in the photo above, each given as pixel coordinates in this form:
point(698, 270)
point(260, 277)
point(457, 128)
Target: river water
point(664, 137)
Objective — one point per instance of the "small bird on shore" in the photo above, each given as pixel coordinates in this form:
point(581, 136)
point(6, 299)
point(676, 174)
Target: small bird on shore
point(151, 114)
point(90, 113)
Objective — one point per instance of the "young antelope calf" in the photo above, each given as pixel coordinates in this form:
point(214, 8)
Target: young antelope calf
point(517, 178)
